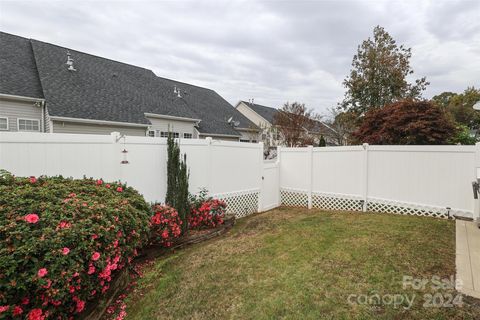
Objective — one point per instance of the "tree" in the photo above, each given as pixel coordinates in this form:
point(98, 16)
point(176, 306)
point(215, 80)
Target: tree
point(344, 123)
point(295, 123)
point(177, 181)
point(407, 122)
point(322, 142)
point(460, 106)
point(378, 75)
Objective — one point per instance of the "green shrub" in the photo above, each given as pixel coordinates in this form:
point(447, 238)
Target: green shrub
point(61, 240)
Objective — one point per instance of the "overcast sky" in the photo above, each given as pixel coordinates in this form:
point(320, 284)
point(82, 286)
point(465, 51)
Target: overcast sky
point(273, 51)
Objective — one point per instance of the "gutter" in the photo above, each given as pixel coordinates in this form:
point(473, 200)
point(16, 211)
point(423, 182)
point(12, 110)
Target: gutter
point(161, 116)
point(21, 98)
point(116, 123)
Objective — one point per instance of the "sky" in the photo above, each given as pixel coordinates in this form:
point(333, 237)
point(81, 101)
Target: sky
point(271, 51)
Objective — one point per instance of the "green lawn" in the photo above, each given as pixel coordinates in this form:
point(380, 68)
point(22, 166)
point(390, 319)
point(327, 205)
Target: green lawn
point(304, 264)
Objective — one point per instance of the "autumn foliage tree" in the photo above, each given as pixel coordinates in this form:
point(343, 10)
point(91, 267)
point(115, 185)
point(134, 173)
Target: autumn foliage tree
point(379, 75)
point(407, 122)
point(295, 124)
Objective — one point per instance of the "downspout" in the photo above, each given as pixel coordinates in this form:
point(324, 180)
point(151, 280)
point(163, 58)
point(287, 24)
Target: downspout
point(43, 116)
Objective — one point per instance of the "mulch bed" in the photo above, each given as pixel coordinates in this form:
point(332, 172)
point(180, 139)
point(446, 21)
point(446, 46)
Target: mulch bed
point(122, 281)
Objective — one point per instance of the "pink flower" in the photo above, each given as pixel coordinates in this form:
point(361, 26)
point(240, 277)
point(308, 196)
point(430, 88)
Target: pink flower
point(119, 189)
point(25, 300)
point(33, 179)
point(64, 225)
point(95, 256)
point(31, 218)
point(91, 269)
point(65, 251)
point(36, 314)
point(99, 182)
point(4, 308)
point(42, 272)
point(107, 186)
point(17, 311)
point(80, 306)
point(94, 236)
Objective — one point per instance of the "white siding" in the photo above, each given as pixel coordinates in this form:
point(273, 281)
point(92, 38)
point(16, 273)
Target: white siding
point(253, 116)
point(249, 135)
point(88, 128)
point(14, 110)
point(175, 126)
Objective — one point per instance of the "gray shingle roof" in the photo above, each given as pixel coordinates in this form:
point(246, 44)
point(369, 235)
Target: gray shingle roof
point(18, 74)
point(104, 89)
point(267, 113)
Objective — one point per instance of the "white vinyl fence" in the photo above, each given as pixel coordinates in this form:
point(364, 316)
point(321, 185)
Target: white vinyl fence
point(420, 180)
point(228, 170)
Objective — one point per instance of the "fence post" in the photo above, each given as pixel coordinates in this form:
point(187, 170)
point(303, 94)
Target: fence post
point(279, 159)
point(309, 175)
point(476, 205)
point(365, 177)
point(209, 165)
point(261, 172)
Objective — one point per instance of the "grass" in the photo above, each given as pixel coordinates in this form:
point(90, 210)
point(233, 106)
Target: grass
point(303, 264)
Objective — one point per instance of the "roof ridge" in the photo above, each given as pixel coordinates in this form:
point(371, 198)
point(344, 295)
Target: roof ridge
point(259, 105)
point(125, 63)
point(90, 54)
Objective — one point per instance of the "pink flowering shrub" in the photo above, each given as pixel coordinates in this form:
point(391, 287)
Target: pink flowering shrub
point(166, 225)
point(206, 212)
point(61, 242)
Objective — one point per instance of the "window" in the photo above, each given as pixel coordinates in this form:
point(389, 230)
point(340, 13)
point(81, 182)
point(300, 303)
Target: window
point(28, 125)
point(3, 123)
point(254, 141)
point(244, 140)
point(151, 133)
point(164, 134)
point(187, 135)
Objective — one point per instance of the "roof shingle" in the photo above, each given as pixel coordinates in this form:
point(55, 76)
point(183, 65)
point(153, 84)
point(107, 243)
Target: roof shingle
point(104, 89)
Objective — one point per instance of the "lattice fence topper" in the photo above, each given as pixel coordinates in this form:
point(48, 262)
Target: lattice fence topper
point(388, 206)
point(293, 197)
point(241, 203)
point(337, 201)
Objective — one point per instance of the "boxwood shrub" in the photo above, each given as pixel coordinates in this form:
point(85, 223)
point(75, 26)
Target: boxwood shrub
point(62, 240)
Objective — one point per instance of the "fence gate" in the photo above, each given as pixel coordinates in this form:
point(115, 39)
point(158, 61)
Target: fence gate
point(270, 196)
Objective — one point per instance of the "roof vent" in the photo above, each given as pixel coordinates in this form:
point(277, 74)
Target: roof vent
point(177, 91)
point(232, 122)
point(70, 62)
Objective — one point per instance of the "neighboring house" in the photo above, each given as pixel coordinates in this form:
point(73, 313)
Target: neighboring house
point(264, 116)
point(48, 88)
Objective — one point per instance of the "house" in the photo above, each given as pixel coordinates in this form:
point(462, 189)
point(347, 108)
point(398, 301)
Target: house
point(48, 88)
point(264, 118)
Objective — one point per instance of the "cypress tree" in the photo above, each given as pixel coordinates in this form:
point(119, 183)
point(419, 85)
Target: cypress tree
point(177, 181)
point(183, 206)
point(173, 153)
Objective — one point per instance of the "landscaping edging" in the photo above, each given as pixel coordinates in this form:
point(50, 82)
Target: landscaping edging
point(97, 309)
